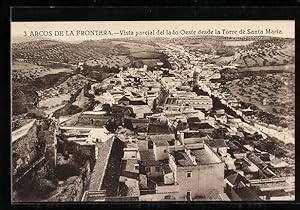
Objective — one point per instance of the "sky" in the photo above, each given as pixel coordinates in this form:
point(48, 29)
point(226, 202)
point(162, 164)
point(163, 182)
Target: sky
point(47, 29)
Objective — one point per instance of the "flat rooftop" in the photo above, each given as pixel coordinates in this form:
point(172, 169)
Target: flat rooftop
point(194, 140)
point(182, 159)
point(202, 155)
point(205, 157)
point(163, 139)
point(269, 186)
point(94, 112)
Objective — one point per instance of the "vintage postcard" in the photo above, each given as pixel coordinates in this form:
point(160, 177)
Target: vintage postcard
point(114, 111)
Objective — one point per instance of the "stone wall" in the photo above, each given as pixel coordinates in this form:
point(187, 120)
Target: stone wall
point(24, 150)
point(205, 179)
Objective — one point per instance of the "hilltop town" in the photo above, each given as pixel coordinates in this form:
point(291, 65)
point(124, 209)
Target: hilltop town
point(183, 119)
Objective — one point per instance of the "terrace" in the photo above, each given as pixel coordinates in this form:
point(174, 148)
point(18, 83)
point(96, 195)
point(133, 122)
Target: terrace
point(191, 157)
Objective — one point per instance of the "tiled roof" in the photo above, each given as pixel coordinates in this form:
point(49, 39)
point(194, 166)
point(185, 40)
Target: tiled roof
point(193, 119)
point(128, 168)
point(246, 194)
point(167, 169)
point(196, 126)
point(257, 161)
point(101, 162)
point(161, 143)
point(136, 102)
point(134, 120)
point(130, 174)
point(216, 143)
point(148, 159)
point(193, 140)
point(235, 178)
point(158, 128)
point(122, 198)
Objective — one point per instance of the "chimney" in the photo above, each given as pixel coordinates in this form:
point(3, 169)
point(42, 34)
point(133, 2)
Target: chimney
point(192, 157)
point(181, 137)
point(187, 151)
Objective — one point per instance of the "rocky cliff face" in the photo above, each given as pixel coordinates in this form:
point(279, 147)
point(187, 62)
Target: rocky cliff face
point(68, 190)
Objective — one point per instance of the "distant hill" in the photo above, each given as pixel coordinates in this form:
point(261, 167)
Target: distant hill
point(42, 52)
point(250, 51)
point(47, 66)
point(271, 52)
point(22, 39)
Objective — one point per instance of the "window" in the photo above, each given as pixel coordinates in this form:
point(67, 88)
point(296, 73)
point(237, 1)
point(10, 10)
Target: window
point(157, 169)
point(148, 169)
point(150, 145)
point(136, 166)
point(188, 194)
point(189, 174)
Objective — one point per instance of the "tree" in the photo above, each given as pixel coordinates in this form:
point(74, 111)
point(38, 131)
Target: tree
point(82, 156)
point(154, 104)
point(107, 108)
point(36, 114)
point(111, 125)
point(44, 186)
point(180, 126)
point(61, 90)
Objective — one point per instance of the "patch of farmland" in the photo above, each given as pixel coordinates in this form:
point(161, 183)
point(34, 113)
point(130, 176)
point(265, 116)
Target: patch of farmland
point(223, 60)
point(27, 71)
point(271, 93)
point(35, 44)
point(110, 62)
point(271, 52)
point(146, 55)
point(136, 47)
point(237, 43)
point(150, 62)
point(283, 68)
point(40, 53)
point(54, 101)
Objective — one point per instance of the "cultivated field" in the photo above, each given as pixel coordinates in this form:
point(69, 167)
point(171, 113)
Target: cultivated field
point(22, 71)
point(237, 43)
point(265, 53)
point(44, 52)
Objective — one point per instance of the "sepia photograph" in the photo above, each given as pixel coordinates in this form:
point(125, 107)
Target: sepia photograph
point(168, 111)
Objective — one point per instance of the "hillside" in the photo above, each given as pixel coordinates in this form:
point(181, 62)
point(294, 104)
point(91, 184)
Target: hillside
point(43, 52)
point(264, 78)
point(252, 51)
point(22, 71)
point(49, 68)
point(266, 53)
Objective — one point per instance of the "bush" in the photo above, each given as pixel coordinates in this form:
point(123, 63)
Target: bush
point(44, 186)
point(36, 114)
